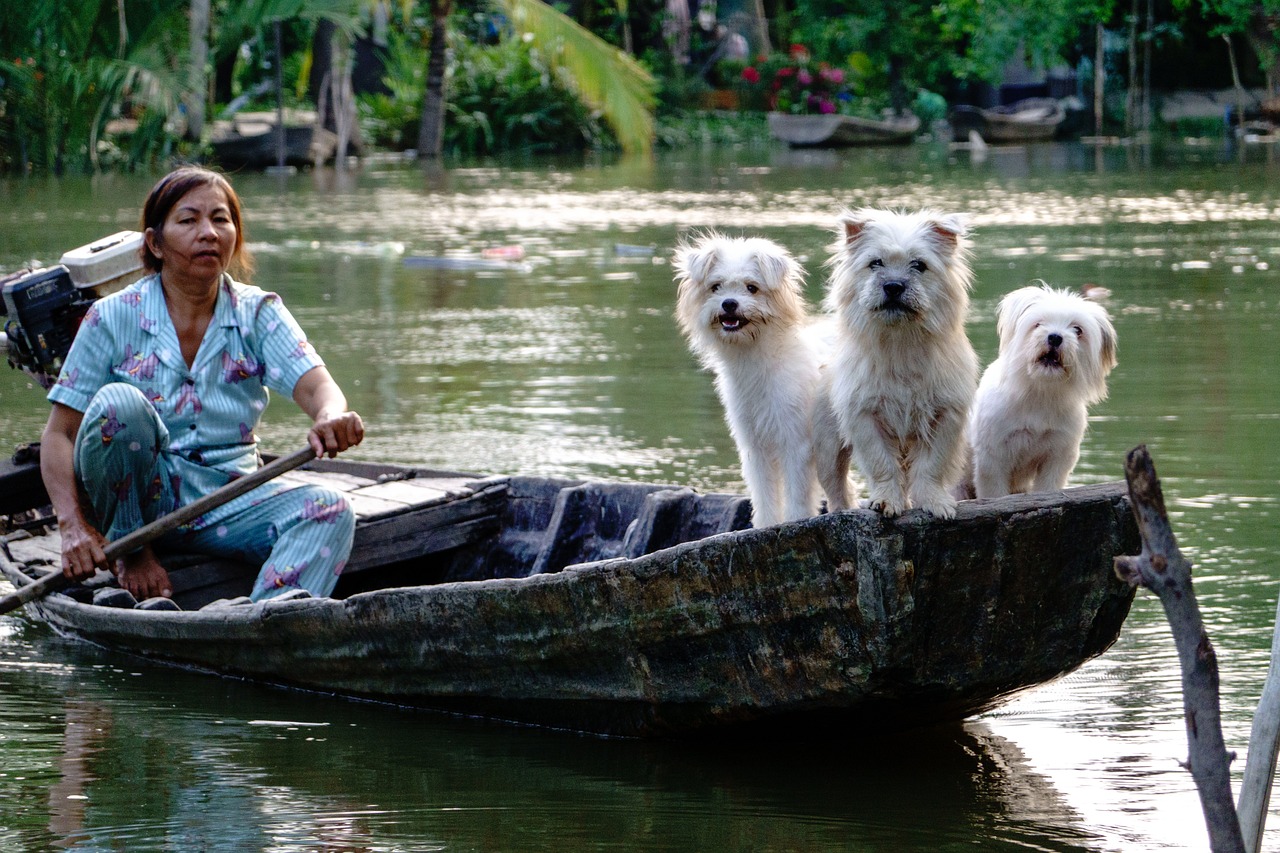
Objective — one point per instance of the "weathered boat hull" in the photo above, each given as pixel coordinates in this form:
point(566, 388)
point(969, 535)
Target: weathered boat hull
point(837, 620)
point(839, 131)
point(303, 146)
point(1031, 120)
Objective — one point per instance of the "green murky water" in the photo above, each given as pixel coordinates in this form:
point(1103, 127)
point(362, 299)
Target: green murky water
point(568, 362)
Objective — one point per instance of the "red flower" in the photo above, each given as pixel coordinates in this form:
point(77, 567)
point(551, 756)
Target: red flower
point(750, 74)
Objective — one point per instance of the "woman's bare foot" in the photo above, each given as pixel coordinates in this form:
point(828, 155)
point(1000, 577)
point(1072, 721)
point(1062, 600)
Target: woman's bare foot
point(142, 574)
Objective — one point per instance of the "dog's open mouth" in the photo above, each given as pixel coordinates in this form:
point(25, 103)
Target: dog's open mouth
point(1050, 360)
point(733, 322)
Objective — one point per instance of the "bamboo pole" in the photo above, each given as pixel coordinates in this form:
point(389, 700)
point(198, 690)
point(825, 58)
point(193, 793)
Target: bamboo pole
point(1264, 747)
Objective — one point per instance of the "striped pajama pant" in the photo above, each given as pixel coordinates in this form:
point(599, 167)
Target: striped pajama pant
point(300, 535)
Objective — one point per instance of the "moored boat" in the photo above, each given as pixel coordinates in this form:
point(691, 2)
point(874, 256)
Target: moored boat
point(637, 610)
point(1027, 120)
point(252, 141)
point(837, 131)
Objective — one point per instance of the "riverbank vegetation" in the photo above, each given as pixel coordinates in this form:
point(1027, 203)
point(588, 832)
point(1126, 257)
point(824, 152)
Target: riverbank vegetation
point(127, 84)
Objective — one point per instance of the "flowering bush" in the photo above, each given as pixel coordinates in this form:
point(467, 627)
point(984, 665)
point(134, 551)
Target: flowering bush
point(794, 83)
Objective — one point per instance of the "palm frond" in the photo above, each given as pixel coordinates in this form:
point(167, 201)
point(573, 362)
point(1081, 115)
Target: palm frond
point(604, 77)
point(242, 20)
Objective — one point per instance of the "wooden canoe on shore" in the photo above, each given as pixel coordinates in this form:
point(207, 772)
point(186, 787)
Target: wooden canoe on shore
point(840, 131)
point(641, 610)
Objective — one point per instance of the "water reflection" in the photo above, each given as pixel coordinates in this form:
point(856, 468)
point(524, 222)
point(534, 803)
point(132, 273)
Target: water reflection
point(571, 365)
point(230, 766)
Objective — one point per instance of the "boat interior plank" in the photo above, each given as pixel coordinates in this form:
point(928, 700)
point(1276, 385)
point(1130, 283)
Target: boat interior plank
point(428, 529)
point(335, 480)
point(368, 507)
point(417, 491)
point(35, 549)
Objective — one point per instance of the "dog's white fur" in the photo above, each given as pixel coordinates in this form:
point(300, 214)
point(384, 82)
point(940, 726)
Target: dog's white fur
point(741, 304)
point(1030, 412)
point(903, 375)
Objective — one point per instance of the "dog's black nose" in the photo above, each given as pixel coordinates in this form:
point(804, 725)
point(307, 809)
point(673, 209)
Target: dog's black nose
point(1055, 340)
point(894, 289)
point(729, 306)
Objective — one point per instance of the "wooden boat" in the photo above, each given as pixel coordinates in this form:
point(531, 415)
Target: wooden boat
point(1025, 121)
point(251, 141)
point(637, 610)
point(839, 131)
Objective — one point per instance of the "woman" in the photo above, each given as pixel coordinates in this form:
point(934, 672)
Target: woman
point(158, 399)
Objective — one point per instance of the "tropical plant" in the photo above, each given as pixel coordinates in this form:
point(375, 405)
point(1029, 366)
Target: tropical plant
point(1258, 21)
point(508, 98)
point(504, 96)
point(76, 67)
point(603, 77)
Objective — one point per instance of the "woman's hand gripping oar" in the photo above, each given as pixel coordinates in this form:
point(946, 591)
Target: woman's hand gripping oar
point(132, 541)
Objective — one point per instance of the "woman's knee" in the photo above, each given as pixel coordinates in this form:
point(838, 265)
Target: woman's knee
point(121, 410)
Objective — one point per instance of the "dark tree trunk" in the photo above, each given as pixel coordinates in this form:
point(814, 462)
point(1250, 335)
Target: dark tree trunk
point(431, 132)
point(321, 72)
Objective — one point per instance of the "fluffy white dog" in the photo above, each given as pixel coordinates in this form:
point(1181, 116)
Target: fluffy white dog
point(1029, 415)
point(741, 305)
point(903, 374)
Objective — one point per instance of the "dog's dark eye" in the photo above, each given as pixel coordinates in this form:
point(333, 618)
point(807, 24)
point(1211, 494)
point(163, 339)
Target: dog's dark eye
point(1079, 331)
point(875, 264)
point(715, 286)
point(752, 289)
point(918, 265)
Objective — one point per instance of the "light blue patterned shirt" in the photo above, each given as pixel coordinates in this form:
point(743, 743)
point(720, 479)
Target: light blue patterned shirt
point(211, 409)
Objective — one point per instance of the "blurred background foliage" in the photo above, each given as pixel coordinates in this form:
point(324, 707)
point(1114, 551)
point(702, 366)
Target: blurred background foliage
point(111, 84)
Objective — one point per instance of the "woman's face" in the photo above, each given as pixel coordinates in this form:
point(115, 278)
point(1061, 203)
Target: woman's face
point(198, 238)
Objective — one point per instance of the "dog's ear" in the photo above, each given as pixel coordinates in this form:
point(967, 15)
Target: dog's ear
point(851, 225)
point(948, 229)
point(694, 262)
point(777, 266)
point(1014, 304)
point(1110, 344)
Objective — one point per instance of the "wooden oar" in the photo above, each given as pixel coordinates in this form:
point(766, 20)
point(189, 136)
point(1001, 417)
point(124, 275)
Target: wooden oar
point(132, 541)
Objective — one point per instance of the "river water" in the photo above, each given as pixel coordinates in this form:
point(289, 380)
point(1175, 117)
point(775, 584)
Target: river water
point(568, 362)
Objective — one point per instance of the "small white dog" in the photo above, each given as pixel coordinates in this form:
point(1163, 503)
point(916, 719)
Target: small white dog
point(1029, 416)
point(741, 304)
point(904, 373)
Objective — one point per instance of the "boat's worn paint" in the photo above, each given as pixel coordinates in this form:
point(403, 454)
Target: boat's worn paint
point(826, 622)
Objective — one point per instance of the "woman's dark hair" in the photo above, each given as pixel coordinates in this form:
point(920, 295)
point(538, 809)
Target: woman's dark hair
point(168, 191)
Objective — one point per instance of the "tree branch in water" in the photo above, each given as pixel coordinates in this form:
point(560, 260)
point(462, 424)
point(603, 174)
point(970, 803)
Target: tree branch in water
point(1162, 569)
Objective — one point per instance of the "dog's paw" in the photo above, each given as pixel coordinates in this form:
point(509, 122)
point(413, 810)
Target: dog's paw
point(935, 500)
point(942, 507)
point(886, 507)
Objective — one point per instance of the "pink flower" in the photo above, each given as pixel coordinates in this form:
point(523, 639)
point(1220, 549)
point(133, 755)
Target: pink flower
point(804, 77)
point(826, 107)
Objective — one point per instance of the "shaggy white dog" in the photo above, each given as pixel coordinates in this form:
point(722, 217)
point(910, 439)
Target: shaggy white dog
point(1030, 412)
point(741, 305)
point(903, 374)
